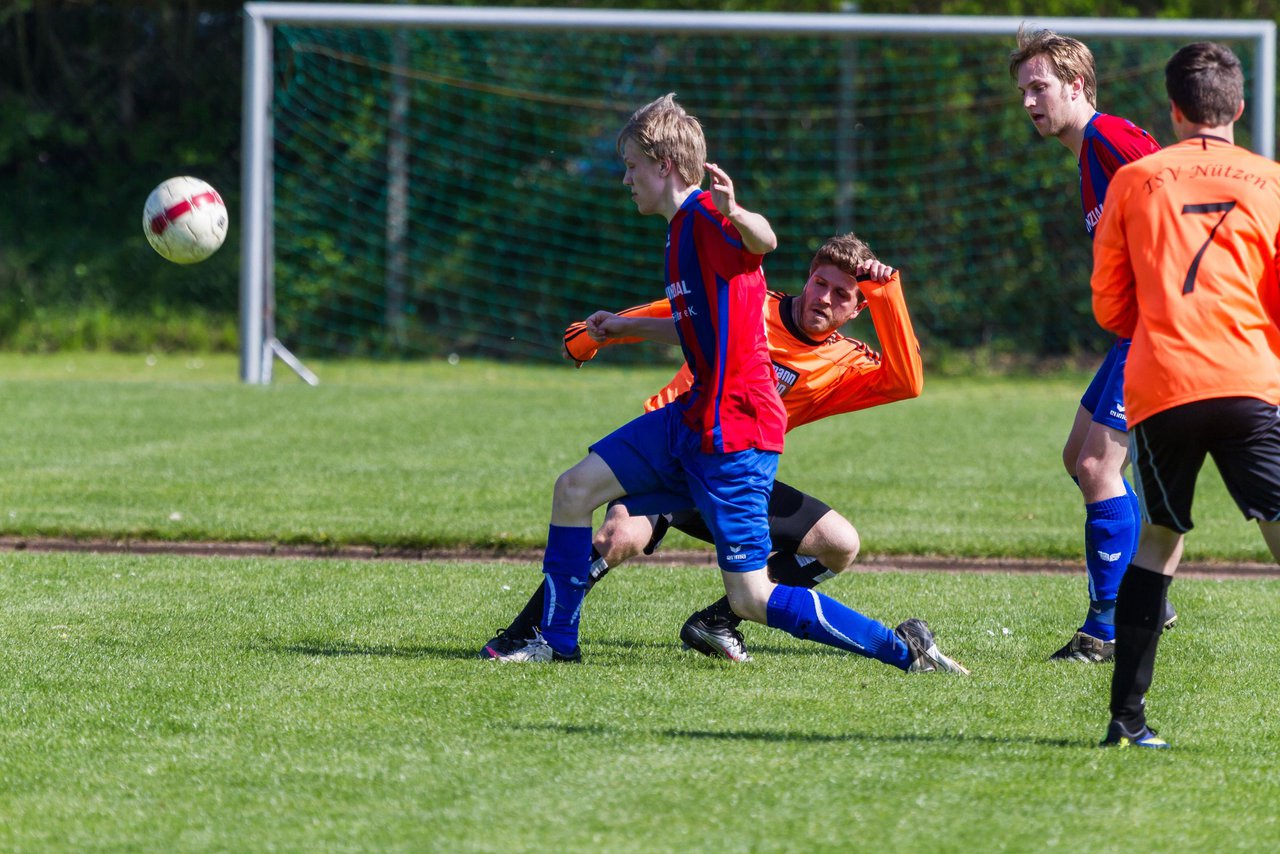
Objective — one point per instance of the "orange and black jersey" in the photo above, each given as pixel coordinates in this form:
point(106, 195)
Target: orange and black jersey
point(1185, 263)
point(815, 378)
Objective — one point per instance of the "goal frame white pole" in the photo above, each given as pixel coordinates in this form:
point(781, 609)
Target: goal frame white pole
point(258, 344)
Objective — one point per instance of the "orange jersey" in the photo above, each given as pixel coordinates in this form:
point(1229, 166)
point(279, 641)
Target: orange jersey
point(815, 378)
point(1185, 264)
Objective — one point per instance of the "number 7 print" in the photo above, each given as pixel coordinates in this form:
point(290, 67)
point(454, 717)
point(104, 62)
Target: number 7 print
point(1211, 207)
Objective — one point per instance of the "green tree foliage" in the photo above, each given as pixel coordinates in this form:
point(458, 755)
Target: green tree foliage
point(101, 101)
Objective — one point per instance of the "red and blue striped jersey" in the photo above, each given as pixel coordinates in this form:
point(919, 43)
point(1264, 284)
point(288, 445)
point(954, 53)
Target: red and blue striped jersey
point(716, 289)
point(1109, 143)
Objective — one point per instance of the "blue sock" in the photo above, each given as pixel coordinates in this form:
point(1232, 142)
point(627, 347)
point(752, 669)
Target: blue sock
point(809, 615)
point(1137, 514)
point(1109, 537)
point(567, 567)
point(1101, 622)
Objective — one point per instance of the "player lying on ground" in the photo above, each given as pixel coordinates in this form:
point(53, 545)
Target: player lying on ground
point(820, 372)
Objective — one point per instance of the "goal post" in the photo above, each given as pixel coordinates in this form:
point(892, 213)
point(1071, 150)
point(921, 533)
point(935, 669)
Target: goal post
point(424, 181)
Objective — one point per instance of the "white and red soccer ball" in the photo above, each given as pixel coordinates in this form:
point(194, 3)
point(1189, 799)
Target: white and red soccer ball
point(185, 220)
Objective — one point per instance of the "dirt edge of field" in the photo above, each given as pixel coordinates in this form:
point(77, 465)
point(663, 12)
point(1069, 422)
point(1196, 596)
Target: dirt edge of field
point(865, 563)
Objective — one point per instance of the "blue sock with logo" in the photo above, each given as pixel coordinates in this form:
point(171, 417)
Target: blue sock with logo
point(1109, 538)
point(566, 565)
point(809, 615)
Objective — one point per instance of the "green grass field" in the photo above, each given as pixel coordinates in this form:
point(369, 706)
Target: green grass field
point(161, 703)
point(176, 703)
point(423, 455)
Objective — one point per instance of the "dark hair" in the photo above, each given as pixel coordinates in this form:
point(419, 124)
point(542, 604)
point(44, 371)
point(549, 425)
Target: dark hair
point(1206, 82)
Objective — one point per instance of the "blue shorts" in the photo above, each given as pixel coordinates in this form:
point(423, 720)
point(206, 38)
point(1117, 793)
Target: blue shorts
point(1104, 398)
point(660, 463)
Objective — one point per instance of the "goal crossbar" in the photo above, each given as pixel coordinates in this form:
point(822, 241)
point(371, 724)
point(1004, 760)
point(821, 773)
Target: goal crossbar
point(258, 342)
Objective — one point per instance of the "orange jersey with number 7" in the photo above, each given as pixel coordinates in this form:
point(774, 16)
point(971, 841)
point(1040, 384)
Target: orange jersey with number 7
point(1185, 263)
point(815, 378)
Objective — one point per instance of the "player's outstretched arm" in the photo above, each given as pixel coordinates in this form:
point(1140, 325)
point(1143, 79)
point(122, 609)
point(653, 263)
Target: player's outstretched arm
point(604, 325)
point(757, 234)
point(579, 347)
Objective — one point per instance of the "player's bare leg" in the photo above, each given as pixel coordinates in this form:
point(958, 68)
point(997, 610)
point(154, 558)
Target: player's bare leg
point(1075, 441)
point(589, 484)
point(834, 542)
point(1100, 464)
point(1159, 549)
point(622, 536)
point(1271, 533)
point(748, 593)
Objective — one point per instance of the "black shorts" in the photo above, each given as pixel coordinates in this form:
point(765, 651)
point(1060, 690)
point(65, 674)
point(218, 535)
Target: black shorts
point(792, 514)
point(1242, 434)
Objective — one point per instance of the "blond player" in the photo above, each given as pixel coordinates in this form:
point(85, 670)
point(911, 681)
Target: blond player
point(819, 372)
point(1055, 75)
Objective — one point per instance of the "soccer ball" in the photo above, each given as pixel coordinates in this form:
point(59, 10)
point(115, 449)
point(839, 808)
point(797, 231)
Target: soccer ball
point(185, 220)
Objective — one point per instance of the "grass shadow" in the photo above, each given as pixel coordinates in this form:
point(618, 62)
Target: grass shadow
point(779, 736)
point(589, 642)
point(338, 649)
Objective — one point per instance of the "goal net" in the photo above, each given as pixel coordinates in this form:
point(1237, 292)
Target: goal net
point(434, 182)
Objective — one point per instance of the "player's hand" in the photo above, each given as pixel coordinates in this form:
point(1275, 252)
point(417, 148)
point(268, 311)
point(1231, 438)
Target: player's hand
point(875, 271)
point(603, 325)
point(722, 190)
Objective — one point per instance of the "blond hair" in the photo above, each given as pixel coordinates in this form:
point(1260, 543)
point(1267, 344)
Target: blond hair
point(663, 130)
point(1070, 58)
